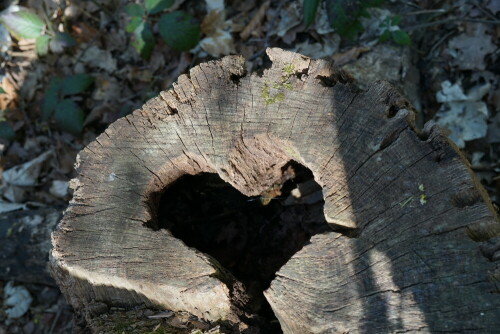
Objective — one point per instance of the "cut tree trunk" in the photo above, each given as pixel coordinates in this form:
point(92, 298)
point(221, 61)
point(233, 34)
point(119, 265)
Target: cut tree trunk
point(407, 216)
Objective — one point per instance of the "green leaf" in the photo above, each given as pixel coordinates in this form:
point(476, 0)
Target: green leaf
point(310, 8)
point(60, 41)
point(23, 23)
point(133, 24)
point(42, 45)
point(51, 98)
point(6, 131)
point(400, 37)
point(2, 91)
point(395, 20)
point(385, 36)
point(156, 6)
point(179, 30)
point(363, 12)
point(69, 117)
point(353, 30)
point(373, 3)
point(76, 84)
point(143, 40)
point(134, 9)
point(344, 17)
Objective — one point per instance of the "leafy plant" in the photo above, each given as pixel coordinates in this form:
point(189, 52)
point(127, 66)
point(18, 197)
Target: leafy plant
point(310, 8)
point(25, 24)
point(344, 15)
point(392, 31)
point(57, 104)
point(178, 29)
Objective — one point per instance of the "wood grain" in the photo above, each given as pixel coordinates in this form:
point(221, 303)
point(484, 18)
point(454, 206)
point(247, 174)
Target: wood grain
point(417, 210)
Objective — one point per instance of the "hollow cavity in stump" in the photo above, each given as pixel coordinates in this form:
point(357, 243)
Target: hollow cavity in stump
point(252, 237)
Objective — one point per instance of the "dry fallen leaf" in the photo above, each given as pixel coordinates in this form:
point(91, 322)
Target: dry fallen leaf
point(465, 115)
point(493, 6)
point(8, 207)
point(107, 89)
point(494, 130)
point(212, 21)
point(214, 5)
point(326, 48)
point(342, 58)
point(27, 174)
point(218, 44)
point(470, 48)
point(288, 17)
point(59, 188)
point(255, 21)
point(98, 58)
point(84, 33)
point(14, 194)
point(7, 100)
point(219, 41)
point(17, 299)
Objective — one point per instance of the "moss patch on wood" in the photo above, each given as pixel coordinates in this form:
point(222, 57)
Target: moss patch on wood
point(280, 86)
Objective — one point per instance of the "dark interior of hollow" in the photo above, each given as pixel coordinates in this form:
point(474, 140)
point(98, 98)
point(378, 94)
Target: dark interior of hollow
point(248, 236)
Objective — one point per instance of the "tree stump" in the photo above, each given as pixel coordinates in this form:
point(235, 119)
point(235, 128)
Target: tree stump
point(406, 216)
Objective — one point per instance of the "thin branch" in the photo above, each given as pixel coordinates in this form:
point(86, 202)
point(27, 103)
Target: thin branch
point(426, 11)
point(451, 19)
point(485, 11)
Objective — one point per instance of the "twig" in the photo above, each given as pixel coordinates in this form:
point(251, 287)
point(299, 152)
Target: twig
point(90, 16)
point(451, 19)
point(426, 11)
point(485, 12)
point(479, 21)
point(55, 321)
point(411, 4)
point(438, 43)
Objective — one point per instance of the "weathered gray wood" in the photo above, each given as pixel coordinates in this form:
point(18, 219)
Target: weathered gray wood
point(417, 210)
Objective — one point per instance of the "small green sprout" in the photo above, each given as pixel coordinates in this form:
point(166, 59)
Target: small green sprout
point(423, 197)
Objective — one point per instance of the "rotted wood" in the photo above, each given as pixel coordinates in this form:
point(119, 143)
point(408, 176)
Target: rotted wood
point(415, 213)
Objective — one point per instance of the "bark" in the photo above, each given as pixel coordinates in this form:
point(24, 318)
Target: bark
point(408, 197)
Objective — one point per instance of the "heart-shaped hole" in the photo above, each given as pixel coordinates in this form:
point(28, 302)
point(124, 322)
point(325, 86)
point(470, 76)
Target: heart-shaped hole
point(252, 237)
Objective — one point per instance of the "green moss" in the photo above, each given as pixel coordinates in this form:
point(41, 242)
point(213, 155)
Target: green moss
point(266, 94)
point(291, 152)
point(288, 69)
point(279, 97)
point(280, 85)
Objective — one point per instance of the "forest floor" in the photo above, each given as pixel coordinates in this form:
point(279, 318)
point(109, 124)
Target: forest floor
point(450, 72)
